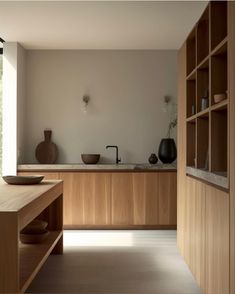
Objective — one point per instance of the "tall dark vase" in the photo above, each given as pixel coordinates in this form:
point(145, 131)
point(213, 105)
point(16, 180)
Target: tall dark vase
point(167, 152)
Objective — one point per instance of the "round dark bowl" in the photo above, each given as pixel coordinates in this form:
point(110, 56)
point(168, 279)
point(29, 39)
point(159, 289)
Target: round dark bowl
point(90, 158)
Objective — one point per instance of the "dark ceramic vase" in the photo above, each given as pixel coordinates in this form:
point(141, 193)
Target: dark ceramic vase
point(153, 159)
point(167, 152)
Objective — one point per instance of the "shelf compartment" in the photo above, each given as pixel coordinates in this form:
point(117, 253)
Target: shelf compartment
point(191, 143)
point(218, 22)
point(191, 97)
point(203, 142)
point(203, 36)
point(219, 72)
point(191, 52)
point(219, 141)
point(33, 256)
point(203, 85)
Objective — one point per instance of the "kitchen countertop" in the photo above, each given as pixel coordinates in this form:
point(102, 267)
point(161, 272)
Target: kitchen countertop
point(217, 179)
point(97, 167)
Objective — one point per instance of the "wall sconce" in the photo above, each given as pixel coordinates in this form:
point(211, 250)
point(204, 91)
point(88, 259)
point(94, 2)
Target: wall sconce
point(85, 101)
point(167, 100)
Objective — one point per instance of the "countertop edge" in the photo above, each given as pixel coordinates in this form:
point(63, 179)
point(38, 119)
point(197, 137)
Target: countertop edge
point(95, 168)
point(210, 178)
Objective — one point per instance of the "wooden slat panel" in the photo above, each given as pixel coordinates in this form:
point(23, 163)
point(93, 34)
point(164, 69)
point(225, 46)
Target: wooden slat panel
point(181, 139)
point(102, 190)
point(217, 241)
point(73, 201)
point(139, 198)
point(231, 74)
point(152, 199)
point(122, 199)
point(167, 198)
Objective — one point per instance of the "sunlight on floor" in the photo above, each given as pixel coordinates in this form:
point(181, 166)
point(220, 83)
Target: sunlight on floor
point(98, 238)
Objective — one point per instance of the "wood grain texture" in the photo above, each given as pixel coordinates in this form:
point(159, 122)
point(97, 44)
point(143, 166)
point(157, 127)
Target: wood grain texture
point(118, 199)
point(152, 199)
point(181, 139)
point(122, 199)
point(202, 210)
point(19, 205)
point(231, 71)
point(195, 230)
point(9, 263)
point(217, 241)
point(167, 204)
point(86, 198)
point(139, 198)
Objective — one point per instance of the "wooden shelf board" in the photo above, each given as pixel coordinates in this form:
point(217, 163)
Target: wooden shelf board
point(204, 112)
point(33, 256)
point(191, 118)
point(192, 75)
point(220, 48)
point(221, 105)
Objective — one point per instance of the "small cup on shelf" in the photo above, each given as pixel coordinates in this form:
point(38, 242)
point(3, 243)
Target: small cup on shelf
point(219, 97)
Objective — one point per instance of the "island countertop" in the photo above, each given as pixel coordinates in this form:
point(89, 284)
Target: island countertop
point(97, 167)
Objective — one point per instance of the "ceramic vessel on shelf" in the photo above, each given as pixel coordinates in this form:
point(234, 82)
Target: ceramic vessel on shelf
point(153, 158)
point(219, 97)
point(167, 152)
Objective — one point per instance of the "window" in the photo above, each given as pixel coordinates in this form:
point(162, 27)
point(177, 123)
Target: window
point(1, 51)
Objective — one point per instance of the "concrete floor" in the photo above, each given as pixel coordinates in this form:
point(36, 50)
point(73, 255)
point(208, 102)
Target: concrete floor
point(117, 262)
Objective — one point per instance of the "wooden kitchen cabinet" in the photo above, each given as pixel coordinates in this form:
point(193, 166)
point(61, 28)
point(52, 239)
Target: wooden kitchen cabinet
point(122, 199)
point(117, 199)
point(147, 199)
point(167, 186)
point(86, 198)
point(217, 241)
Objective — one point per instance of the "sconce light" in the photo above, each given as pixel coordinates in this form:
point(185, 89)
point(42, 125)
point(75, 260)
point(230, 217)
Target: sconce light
point(167, 100)
point(85, 101)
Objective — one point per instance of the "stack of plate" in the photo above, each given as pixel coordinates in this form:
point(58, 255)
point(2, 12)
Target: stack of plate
point(35, 232)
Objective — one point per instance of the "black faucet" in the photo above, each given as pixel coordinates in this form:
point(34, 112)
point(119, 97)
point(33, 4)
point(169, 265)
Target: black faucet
point(116, 147)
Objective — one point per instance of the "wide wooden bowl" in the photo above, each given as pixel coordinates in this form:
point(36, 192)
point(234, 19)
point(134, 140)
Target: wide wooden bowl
point(90, 158)
point(33, 238)
point(23, 180)
point(35, 227)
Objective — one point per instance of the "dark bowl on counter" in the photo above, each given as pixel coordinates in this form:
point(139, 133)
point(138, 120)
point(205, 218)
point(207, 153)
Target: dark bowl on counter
point(90, 158)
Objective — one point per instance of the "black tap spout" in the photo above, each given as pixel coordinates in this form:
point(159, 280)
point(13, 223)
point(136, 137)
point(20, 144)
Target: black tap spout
point(116, 147)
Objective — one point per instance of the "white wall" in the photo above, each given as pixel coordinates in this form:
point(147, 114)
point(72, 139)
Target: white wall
point(126, 108)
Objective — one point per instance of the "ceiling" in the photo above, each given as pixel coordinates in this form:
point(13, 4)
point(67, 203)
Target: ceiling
point(98, 24)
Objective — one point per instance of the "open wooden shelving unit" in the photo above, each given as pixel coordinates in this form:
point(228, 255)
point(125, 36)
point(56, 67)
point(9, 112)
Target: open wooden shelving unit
point(19, 205)
point(207, 75)
point(33, 256)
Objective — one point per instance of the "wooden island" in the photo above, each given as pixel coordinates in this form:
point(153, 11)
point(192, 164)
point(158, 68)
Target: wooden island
point(19, 205)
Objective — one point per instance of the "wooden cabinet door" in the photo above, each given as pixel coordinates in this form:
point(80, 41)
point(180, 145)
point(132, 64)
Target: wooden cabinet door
point(146, 198)
point(152, 198)
point(167, 196)
point(122, 199)
point(217, 241)
point(139, 198)
point(86, 198)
